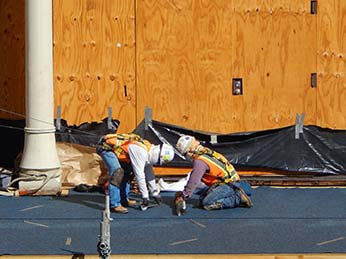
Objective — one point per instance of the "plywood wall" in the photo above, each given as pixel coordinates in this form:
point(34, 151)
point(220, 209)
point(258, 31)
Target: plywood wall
point(184, 60)
point(189, 51)
point(331, 108)
point(179, 57)
point(94, 60)
point(12, 59)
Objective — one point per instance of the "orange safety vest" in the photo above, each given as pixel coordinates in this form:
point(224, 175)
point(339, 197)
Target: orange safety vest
point(220, 169)
point(119, 143)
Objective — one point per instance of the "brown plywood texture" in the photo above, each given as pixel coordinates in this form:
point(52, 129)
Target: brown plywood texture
point(12, 59)
point(189, 52)
point(94, 60)
point(179, 57)
point(332, 64)
point(290, 62)
point(252, 28)
point(183, 61)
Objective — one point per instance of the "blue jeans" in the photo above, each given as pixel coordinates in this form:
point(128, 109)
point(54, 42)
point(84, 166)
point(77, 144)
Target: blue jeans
point(224, 194)
point(117, 196)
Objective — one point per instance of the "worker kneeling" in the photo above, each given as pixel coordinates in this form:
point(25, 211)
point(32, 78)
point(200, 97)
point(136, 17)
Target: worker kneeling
point(224, 188)
point(136, 155)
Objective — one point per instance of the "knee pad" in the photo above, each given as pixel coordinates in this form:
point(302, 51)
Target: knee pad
point(117, 177)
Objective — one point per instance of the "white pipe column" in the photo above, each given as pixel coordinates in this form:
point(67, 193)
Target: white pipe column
point(40, 147)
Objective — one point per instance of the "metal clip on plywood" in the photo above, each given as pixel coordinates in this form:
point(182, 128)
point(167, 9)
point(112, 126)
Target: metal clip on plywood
point(213, 139)
point(58, 118)
point(299, 125)
point(109, 121)
point(148, 113)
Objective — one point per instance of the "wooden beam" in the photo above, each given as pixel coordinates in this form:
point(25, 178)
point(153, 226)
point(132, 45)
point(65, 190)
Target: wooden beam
point(185, 256)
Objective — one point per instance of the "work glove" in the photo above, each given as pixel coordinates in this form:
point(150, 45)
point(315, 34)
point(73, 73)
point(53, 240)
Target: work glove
point(179, 204)
point(157, 199)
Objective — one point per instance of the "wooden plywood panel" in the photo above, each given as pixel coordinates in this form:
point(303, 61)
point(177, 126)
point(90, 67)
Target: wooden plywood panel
point(165, 60)
point(332, 64)
point(251, 37)
point(290, 63)
point(184, 61)
point(331, 101)
point(12, 56)
point(275, 54)
point(213, 43)
point(94, 60)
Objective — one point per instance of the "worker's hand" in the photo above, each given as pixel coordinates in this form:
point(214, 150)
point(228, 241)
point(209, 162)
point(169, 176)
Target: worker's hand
point(179, 204)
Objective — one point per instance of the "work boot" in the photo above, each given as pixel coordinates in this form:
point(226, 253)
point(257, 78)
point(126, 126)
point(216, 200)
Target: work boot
point(128, 203)
point(131, 202)
point(145, 204)
point(214, 206)
point(245, 200)
point(119, 209)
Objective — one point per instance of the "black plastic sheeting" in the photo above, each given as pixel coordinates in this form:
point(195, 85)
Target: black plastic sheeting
point(318, 151)
point(87, 134)
point(12, 136)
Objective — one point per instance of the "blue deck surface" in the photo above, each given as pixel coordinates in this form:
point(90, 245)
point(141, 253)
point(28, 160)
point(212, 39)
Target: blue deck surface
point(283, 220)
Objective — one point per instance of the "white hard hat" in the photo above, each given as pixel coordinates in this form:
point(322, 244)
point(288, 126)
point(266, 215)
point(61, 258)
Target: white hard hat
point(184, 143)
point(166, 153)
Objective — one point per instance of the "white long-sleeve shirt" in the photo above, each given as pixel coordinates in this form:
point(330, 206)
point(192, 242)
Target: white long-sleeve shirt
point(142, 169)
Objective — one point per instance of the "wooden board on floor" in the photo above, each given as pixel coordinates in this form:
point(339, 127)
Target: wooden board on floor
point(185, 256)
point(263, 177)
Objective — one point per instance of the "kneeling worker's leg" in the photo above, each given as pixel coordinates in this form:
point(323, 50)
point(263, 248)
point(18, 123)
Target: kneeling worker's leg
point(225, 196)
point(214, 198)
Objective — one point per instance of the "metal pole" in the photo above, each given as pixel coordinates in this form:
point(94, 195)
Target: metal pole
point(104, 245)
point(39, 152)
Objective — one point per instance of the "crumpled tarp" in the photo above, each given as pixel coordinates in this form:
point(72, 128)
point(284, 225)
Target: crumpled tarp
point(318, 151)
point(87, 134)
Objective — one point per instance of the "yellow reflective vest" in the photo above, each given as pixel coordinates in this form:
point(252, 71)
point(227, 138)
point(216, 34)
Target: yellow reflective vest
point(119, 144)
point(220, 169)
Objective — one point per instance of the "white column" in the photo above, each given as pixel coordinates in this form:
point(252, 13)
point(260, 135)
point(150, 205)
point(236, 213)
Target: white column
point(40, 147)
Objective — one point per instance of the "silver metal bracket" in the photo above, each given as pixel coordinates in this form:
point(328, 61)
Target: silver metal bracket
point(58, 118)
point(299, 125)
point(148, 113)
point(109, 121)
point(213, 139)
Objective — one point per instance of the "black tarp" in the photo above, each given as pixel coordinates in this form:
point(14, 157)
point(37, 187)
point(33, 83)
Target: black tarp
point(12, 136)
point(318, 151)
point(87, 134)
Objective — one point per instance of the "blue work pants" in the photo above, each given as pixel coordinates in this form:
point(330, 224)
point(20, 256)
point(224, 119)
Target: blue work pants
point(117, 195)
point(222, 193)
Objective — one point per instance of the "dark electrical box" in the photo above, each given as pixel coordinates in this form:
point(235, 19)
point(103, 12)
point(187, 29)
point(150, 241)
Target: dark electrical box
point(313, 7)
point(237, 86)
point(313, 80)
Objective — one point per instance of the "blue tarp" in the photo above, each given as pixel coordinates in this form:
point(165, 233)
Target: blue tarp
point(282, 220)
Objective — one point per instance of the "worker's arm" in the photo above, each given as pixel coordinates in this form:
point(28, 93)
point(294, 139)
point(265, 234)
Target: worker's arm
point(198, 170)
